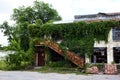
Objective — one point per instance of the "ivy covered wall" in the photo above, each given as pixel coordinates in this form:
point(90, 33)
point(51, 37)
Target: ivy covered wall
point(79, 37)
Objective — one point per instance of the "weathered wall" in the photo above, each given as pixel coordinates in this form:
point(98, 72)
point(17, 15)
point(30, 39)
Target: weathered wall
point(109, 46)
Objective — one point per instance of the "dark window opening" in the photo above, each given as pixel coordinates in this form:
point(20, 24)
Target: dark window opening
point(116, 53)
point(55, 56)
point(99, 55)
point(116, 33)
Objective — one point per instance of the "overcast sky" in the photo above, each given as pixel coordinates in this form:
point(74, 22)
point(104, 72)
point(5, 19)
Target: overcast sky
point(66, 8)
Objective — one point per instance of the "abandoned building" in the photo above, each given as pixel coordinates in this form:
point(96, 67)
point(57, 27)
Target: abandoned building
point(103, 52)
point(106, 53)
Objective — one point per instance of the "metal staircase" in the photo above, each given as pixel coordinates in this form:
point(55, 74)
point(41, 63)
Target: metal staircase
point(69, 55)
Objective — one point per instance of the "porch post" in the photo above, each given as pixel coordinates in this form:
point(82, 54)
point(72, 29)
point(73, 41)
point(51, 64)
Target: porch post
point(110, 48)
point(87, 59)
point(109, 54)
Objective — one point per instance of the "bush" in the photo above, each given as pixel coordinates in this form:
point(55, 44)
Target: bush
point(60, 64)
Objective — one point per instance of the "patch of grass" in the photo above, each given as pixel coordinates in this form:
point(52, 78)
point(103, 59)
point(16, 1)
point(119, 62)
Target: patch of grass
point(61, 70)
point(3, 65)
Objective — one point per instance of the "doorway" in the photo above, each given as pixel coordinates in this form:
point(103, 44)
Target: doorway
point(40, 56)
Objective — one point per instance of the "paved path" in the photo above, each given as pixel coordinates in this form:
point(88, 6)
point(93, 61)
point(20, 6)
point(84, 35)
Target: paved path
point(25, 75)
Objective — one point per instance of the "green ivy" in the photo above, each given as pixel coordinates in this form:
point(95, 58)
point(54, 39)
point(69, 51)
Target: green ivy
point(79, 36)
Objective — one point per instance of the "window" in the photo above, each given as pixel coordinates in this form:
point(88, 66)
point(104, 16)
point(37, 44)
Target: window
point(116, 33)
point(99, 55)
point(116, 53)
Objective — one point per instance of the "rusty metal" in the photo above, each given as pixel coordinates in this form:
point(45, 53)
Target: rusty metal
point(70, 55)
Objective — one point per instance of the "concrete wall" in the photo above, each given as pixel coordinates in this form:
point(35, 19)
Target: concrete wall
point(109, 46)
point(3, 54)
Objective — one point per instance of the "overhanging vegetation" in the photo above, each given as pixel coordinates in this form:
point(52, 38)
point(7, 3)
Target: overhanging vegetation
point(79, 36)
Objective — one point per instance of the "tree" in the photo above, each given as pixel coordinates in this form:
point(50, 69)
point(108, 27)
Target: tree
point(7, 30)
point(0, 45)
point(28, 24)
point(24, 36)
point(29, 20)
point(39, 10)
point(34, 29)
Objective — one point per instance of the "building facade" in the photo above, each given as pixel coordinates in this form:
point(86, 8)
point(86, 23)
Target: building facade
point(104, 52)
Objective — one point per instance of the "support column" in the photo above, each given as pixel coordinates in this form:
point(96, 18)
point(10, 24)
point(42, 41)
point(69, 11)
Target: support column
point(110, 48)
point(109, 54)
point(87, 59)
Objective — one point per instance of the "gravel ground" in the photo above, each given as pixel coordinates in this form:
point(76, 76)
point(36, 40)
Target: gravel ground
point(26, 75)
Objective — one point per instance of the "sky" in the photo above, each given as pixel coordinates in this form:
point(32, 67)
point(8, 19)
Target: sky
point(66, 9)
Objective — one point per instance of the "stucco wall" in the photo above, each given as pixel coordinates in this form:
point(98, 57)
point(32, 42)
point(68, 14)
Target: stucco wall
point(110, 42)
point(109, 46)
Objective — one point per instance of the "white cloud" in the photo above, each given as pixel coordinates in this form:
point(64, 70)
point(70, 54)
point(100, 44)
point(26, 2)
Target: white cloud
point(95, 6)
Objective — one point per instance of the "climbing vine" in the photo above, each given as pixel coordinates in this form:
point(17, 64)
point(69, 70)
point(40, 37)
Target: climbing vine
point(79, 36)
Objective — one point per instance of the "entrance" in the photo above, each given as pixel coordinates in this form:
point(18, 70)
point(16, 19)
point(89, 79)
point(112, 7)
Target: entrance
point(41, 59)
point(40, 56)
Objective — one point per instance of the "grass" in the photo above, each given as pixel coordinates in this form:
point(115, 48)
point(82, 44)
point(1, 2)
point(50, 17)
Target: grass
point(3, 65)
point(60, 70)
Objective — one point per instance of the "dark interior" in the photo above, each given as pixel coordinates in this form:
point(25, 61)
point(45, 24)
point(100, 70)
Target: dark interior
point(99, 55)
point(116, 53)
